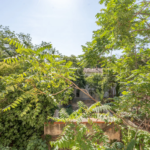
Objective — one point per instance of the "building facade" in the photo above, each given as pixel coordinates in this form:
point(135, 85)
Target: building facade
point(79, 95)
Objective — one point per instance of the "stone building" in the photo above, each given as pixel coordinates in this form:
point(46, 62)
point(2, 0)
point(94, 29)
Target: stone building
point(80, 96)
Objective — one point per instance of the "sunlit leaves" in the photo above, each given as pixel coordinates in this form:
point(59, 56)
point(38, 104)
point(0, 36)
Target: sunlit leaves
point(41, 76)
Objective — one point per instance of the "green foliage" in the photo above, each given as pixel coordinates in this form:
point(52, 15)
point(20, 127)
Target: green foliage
point(124, 26)
point(80, 139)
point(35, 143)
point(31, 92)
point(6, 148)
point(80, 77)
point(94, 111)
point(142, 138)
point(73, 59)
point(66, 111)
point(116, 146)
point(69, 110)
point(136, 92)
point(130, 146)
point(7, 50)
point(6, 69)
point(35, 80)
point(98, 83)
point(77, 136)
point(120, 146)
point(63, 113)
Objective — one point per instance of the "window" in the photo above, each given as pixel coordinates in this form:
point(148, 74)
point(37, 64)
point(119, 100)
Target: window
point(91, 92)
point(77, 93)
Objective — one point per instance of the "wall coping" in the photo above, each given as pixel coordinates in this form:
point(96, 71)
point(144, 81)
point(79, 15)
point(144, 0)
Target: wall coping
point(84, 121)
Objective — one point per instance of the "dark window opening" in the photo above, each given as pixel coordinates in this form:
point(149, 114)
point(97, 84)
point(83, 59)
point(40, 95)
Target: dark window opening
point(77, 93)
point(91, 92)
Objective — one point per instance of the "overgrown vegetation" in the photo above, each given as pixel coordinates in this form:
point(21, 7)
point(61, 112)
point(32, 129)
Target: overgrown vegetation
point(77, 135)
point(30, 92)
point(34, 80)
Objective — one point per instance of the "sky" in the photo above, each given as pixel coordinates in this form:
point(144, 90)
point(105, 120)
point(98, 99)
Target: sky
point(67, 24)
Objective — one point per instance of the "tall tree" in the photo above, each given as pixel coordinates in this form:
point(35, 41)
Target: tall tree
point(80, 77)
point(124, 25)
point(7, 50)
point(31, 93)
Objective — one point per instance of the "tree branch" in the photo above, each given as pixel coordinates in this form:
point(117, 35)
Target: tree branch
point(140, 30)
point(139, 12)
point(143, 14)
point(145, 21)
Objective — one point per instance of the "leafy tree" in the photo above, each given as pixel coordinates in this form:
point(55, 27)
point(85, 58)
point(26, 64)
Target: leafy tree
point(124, 25)
point(73, 59)
point(7, 50)
point(43, 80)
point(31, 93)
point(98, 84)
point(51, 50)
point(80, 77)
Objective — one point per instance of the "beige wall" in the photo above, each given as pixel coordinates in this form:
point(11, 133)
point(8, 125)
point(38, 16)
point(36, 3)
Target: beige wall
point(56, 129)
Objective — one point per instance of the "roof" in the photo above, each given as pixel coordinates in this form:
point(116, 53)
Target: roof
point(93, 70)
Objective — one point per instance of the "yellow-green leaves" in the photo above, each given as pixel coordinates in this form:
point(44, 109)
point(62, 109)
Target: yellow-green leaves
point(37, 86)
point(39, 50)
point(10, 88)
point(14, 42)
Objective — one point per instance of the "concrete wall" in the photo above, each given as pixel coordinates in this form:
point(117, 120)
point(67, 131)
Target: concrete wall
point(56, 129)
